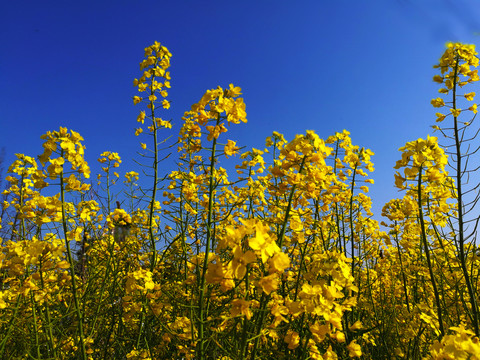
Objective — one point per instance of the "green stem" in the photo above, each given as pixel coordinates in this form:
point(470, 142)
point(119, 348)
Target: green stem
point(460, 211)
point(102, 290)
point(352, 243)
point(202, 314)
point(404, 279)
point(48, 316)
point(35, 325)
point(153, 249)
point(155, 180)
point(427, 252)
point(10, 328)
point(72, 268)
point(281, 236)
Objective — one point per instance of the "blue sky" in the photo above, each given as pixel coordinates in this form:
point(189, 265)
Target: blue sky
point(364, 66)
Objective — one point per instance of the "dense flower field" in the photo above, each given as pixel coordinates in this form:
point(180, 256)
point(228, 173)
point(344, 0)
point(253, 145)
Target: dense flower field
point(282, 260)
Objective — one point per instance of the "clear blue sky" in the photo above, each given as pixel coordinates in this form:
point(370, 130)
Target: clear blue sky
point(364, 66)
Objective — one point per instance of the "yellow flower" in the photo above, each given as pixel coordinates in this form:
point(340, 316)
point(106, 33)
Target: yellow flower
point(354, 350)
point(269, 283)
point(3, 304)
point(241, 307)
point(357, 325)
point(131, 176)
point(231, 148)
point(455, 112)
point(240, 261)
point(438, 102)
point(163, 123)
point(470, 96)
point(215, 131)
point(279, 262)
point(292, 339)
point(296, 223)
point(319, 331)
point(215, 273)
point(233, 91)
point(141, 117)
point(278, 311)
point(440, 117)
point(262, 242)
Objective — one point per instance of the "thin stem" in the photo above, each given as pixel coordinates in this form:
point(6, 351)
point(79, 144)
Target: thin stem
point(427, 252)
point(72, 268)
point(202, 314)
point(460, 211)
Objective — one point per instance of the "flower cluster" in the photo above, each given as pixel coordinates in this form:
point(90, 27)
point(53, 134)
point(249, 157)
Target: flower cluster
point(285, 260)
